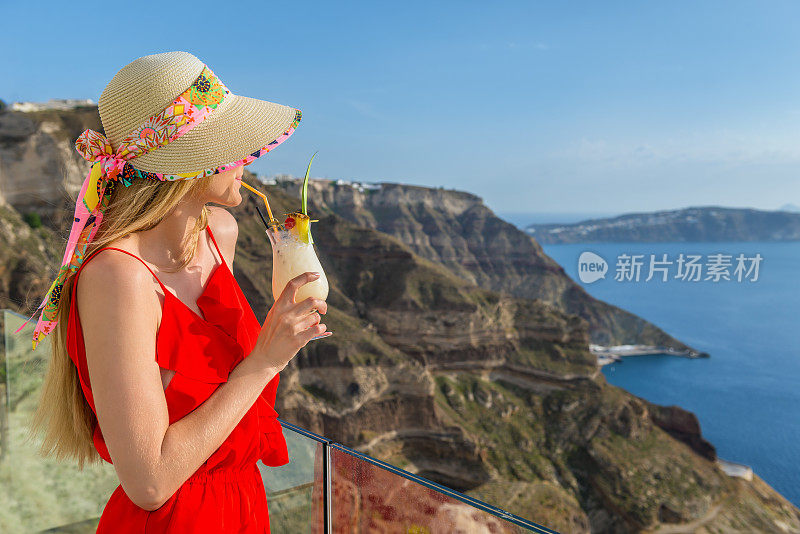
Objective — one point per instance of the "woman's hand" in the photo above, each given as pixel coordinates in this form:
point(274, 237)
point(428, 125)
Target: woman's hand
point(289, 325)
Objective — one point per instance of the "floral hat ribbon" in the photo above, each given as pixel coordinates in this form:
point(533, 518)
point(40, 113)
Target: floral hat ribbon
point(110, 167)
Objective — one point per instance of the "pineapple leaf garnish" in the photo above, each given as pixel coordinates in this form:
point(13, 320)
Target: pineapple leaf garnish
point(304, 190)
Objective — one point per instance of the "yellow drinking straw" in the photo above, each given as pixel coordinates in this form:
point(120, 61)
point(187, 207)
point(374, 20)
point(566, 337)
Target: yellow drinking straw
point(272, 220)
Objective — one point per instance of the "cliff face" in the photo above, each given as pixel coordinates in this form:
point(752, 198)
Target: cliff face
point(27, 255)
point(457, 230)
point(490, 392)
point(39, 166)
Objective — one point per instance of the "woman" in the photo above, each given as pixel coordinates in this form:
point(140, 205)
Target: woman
point(159, 365)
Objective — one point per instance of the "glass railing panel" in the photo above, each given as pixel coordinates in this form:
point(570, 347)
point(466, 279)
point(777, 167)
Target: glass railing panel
point(44, 495)
point(295, 491)
point(39, 493)
point(370, 496)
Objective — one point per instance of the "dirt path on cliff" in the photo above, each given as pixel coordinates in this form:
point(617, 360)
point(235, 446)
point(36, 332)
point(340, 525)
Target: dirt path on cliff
point(689, 528)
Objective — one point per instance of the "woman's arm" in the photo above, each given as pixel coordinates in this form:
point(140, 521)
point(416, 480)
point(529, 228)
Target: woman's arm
point(119, 315)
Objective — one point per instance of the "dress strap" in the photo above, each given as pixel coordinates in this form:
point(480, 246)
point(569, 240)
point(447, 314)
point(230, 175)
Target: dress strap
point(126, 252)
point(142, 261)
point(221, 257)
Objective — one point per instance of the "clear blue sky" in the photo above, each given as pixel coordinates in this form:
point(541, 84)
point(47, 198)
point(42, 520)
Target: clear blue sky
point(536, 107)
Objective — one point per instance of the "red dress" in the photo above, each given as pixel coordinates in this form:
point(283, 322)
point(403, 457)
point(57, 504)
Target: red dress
point(226, 493)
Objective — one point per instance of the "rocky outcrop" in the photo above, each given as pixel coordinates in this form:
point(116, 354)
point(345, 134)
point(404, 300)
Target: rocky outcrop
point(40, 170)
point(28, 256)
point(683, 426)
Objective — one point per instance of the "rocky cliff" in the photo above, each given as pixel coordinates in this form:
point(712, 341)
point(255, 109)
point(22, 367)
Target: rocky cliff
point(39, 166)
point(490, 391)
point(457, 230)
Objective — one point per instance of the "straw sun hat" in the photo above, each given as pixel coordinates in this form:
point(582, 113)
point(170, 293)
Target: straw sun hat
point(166, 117)
point(236, 128)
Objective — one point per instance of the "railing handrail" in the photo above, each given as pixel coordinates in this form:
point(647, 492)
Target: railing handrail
point(466, 499)
point(303, 431)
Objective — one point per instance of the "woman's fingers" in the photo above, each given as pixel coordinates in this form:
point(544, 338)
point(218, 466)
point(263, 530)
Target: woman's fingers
point(290, 291)
point(307, 322)
point(310, 304)
point(315, 331)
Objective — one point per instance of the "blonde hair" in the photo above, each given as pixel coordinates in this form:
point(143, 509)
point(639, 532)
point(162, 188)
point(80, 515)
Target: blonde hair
point(63, 414)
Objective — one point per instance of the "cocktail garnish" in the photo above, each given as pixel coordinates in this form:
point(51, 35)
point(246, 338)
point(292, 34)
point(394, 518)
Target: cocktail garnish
point(298, 222)
point(304, 191)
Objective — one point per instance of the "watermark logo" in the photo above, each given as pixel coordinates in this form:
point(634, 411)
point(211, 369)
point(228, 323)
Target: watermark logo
point(685, 267)
point(591, 267)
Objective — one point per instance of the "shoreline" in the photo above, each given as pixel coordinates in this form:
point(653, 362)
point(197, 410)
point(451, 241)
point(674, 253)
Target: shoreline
point(615, 353)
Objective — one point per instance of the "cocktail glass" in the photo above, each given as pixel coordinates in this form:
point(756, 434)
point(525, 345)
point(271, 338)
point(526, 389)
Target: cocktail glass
point(292, 257)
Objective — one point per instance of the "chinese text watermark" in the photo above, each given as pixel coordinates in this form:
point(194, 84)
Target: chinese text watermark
point(685, 267)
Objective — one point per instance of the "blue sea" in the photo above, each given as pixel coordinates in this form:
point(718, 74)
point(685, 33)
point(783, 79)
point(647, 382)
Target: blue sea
point(747, 394)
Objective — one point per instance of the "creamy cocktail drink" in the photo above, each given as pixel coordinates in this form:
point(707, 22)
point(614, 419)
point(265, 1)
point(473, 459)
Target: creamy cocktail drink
point(293, 249)
point(291, 256)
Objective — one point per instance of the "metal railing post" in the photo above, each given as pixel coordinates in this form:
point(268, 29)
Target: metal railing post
point(328, 488)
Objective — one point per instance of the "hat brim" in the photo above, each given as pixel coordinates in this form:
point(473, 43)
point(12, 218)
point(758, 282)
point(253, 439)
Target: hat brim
point(240, 130)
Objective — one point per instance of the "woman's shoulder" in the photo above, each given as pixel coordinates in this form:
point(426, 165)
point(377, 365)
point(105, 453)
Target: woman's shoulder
point(110, 263)
point(225, 228)
point(223, 223)
point(115, 270)
point(110, 278)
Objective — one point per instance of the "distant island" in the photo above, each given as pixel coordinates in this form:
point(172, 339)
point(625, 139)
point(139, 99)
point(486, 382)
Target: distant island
point(694, 224)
